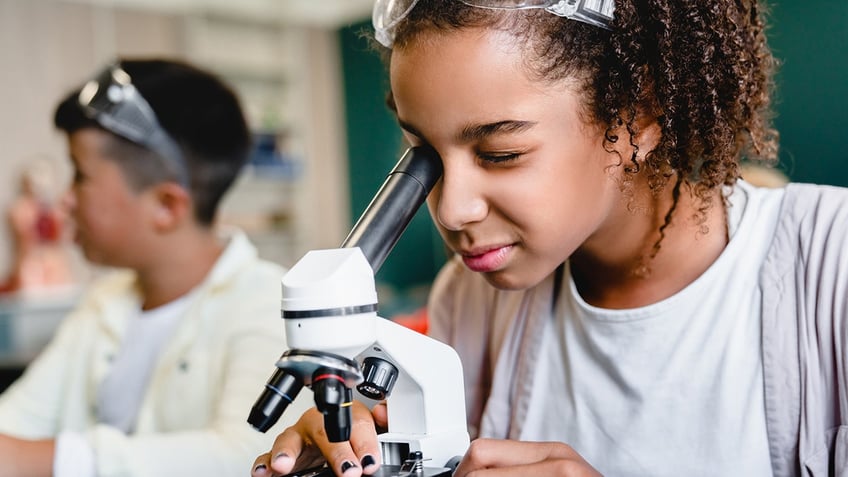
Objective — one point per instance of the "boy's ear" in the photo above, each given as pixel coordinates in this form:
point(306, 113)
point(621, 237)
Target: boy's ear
point(173, 205)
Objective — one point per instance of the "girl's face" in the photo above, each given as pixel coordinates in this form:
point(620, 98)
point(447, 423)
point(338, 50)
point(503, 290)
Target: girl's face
point(526, 180)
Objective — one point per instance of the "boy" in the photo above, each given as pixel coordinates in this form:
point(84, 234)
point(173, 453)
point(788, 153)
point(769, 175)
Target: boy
point(154, 372)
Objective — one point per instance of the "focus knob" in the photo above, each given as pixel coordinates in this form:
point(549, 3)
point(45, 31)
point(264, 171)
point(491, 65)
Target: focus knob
point(380, 376)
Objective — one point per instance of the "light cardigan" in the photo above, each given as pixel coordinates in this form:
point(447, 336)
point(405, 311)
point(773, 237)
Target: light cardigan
point(192, 420)
point(804, 281)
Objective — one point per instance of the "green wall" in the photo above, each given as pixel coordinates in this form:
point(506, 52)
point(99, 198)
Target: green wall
point(374, 147)
point(810, 38)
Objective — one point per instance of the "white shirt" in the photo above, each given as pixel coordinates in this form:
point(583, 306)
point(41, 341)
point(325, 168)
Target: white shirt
point(121, 392)
point(673, 388)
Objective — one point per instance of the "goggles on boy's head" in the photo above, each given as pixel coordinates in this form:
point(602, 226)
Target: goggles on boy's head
point(111, 99)
point(388, 13)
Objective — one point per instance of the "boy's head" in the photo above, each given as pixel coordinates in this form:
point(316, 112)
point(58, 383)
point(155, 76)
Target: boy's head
point(205, 141)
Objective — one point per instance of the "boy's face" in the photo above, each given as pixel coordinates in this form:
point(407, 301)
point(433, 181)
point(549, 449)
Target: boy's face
point(526, 181)
point(110, 218)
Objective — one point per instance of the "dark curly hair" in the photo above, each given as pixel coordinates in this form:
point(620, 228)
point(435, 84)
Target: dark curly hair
point(700, 68)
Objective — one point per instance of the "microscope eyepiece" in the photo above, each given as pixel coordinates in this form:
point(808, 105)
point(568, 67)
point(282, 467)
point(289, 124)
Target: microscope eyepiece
point(379, 228)
point(279, 392)
point(333, 398)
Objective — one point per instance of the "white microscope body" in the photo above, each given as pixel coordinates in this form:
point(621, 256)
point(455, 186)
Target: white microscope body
point(338, 345)
point(426, 407)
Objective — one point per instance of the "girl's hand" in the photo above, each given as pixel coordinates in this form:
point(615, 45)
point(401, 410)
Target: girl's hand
point(501, 458)
point(305, 445)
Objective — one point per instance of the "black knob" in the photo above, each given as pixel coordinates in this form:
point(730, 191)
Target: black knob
point(380, 377)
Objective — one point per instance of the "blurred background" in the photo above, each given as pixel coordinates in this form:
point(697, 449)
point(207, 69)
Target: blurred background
point(314, 94)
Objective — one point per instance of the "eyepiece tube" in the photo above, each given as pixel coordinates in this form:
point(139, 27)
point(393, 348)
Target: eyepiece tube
point(279, 392)
point(390, 211)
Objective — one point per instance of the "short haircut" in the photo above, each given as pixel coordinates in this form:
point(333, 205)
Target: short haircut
point(198, 110)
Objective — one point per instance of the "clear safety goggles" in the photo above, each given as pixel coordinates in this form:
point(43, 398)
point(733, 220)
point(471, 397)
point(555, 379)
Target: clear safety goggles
point(388, 13)
point(111, 99)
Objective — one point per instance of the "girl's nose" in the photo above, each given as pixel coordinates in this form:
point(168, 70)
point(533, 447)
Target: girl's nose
point(459, 198)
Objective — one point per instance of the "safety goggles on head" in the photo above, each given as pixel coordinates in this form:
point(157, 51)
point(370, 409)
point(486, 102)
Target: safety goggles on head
point(388, 13)
point(111, 99)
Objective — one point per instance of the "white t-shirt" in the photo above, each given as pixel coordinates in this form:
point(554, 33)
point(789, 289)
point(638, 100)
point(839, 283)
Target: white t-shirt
point(122, 390)
point(674, 388)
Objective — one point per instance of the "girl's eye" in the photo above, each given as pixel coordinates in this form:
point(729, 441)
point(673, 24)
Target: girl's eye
point(78, 177)
point(496, 158)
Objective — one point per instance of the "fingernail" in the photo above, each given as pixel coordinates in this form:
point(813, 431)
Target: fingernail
point(347, 465)
point(281, 457)
point(259, 467)
point(368, 461)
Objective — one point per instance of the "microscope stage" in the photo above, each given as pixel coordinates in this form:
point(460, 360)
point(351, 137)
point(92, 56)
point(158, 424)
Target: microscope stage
point(385, 471)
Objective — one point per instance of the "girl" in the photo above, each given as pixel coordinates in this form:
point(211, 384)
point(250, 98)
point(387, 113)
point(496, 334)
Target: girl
point(623, 302)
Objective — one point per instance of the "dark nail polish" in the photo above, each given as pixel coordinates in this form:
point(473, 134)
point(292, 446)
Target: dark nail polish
point(347, 465)
point(368, 460)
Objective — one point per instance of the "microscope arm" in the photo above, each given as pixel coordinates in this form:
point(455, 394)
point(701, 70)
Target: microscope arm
point(426, 408)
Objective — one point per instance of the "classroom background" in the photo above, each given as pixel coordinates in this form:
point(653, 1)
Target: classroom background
point(324, 140)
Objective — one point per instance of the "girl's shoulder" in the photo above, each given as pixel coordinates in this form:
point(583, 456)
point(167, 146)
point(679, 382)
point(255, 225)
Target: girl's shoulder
point(815, 213)
point(811, 232)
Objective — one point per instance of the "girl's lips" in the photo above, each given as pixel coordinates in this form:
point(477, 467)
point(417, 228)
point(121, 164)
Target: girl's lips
point(487, 261)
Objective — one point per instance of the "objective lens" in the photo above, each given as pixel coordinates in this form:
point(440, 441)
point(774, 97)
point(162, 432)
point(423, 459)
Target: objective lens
point(333, 399)
point(279, 392)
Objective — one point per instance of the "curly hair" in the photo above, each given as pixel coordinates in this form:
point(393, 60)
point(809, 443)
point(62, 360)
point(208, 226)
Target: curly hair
point(701, 68)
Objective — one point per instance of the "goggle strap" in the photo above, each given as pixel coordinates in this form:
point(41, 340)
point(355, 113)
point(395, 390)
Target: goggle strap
point(125, 112)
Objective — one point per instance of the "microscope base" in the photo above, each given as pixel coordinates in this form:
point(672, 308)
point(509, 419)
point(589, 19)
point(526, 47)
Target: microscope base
point(394, 471)
point(385, 471)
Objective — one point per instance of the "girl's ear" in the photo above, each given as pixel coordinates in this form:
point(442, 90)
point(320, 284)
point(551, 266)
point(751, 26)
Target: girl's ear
point(173, 206)
point(632, 145)
point(647, 137)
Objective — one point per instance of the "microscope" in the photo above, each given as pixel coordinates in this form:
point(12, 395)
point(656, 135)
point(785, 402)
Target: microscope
point(342, 350)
